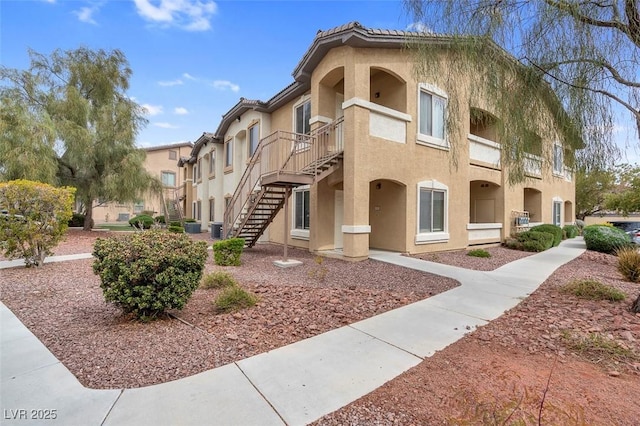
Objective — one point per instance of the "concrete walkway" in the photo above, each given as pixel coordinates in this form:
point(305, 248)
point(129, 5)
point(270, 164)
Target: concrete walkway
point(292, 385)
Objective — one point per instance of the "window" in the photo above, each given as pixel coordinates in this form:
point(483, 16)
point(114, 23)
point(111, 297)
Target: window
point(558, 165)
point(301, 213)
point(228, 154)
point(254, 139)
point(431, 115)
point(173, 155)
point(302, 118)
point(432, 212)
point(557, 210)
point(195, 173)
point(197, 210)
point(212, 205)
point(168, 179)
point(199, 169)
point(212, 162)
point(138, 207)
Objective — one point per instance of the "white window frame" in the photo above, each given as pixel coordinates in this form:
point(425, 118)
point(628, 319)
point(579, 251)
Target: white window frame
point(558, 160)
point(303, 143)
point(557, 202)
point(429, 140)
point(212, 208)
point(212, 162)
point(438, 236)
point(167, 173)
point(255, 127)
point(301, 234)
point(228, 155)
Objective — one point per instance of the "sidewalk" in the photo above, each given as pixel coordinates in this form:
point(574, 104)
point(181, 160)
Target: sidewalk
point(293, 385)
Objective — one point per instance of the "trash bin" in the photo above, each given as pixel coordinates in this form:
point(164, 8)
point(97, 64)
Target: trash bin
point(216, 230)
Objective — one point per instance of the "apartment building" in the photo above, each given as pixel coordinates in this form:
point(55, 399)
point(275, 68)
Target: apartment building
point(354, 154)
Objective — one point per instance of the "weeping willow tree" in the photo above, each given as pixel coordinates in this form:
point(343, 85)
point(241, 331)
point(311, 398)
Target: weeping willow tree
point(577, 59)
point(68, 121)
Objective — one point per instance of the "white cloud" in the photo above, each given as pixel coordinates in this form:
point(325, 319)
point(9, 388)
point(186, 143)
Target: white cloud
point(180, 111)
point(152, 110)
point(190, 15)
point(168, 83)
point(419, 27)
point(188, 76)
point(85, 14)
point(225, 85)
point(165, 125)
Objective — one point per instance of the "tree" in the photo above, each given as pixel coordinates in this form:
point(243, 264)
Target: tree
point(592, 189)
point(587, 52)
point(83, 123)
point(625, 197)
point(35, 219)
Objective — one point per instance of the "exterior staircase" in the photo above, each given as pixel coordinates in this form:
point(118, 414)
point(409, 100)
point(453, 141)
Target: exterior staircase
point(172, 205)
point(283, 160)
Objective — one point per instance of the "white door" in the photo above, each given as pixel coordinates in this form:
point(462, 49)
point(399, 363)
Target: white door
point(338, 219)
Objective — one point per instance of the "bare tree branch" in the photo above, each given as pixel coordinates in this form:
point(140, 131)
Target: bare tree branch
point(614, 72)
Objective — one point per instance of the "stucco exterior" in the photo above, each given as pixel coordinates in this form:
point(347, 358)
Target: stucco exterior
point(159, 160)
point(390, 169)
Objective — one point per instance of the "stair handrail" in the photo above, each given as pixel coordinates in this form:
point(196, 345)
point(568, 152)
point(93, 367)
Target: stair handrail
point(282, 152)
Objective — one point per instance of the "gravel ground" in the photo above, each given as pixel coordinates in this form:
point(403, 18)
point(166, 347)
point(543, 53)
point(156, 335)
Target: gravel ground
point(62, 304)
point(501, 368)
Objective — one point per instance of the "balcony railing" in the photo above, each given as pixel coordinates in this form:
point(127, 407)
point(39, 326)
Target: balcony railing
point(287, 158)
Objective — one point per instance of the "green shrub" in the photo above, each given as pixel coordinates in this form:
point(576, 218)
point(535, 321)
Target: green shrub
point(629, 263)
point(605, 239)
point(535, 241)
point(77, 220)
point(147, 213)
point(160, 219)
point(189, 220)
point(142, 220)
point(234, 298)
point(176, 228)
point(175, 223)
point(592, 290)
point(146, 273)
point(571, 231)
point(554, 230)
point(33, 220)
point(219, 279)
point(478, 253)
point(227, 252)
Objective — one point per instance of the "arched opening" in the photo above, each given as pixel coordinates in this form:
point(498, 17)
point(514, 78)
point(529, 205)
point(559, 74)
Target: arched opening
point(331, 94)
point(483, 124)
point(486, 210)
point(387, 214)
point(485, 202)
point(533, 205)
point(387, 89)
point(569, 217)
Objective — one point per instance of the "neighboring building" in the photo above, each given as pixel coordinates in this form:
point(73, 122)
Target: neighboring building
point(362, 147)
point(161, 162)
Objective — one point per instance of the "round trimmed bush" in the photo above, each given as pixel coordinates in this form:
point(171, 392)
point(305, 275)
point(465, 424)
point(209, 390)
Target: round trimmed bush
point(160, 219)
point(146, 273)
point(571, 231)
point(605, 239)
point(176, 228)
point(535, 241)
point(143, 220)
point(554, 230)
point(76, 221)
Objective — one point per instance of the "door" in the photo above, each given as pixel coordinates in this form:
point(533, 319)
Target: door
point(338, 219)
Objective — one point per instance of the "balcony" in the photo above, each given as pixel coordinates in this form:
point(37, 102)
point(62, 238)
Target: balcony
point(484, 151)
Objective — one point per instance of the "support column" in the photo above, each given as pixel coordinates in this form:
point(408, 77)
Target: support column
point(286, 262)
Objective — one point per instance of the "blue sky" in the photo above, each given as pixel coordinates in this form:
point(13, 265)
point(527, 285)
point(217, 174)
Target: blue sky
point(191, 59)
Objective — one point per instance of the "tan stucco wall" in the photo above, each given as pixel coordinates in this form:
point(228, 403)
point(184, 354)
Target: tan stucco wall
point(361, 76)
point(156, 162)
